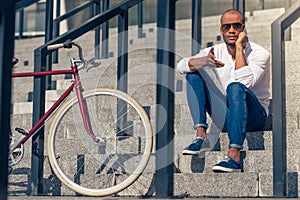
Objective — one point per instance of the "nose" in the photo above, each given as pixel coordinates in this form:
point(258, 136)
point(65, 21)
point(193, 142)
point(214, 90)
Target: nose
point(231, 29)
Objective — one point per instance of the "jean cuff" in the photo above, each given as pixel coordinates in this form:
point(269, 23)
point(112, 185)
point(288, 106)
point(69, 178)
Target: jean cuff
point(202, 125)
point(236, 146)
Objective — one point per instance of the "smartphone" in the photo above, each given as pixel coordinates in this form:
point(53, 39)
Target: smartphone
point(246, 41)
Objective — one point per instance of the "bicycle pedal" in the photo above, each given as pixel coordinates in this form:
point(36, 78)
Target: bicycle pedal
point(22, 131)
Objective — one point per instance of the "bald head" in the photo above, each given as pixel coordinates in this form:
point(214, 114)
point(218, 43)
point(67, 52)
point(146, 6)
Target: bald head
point(233, 12)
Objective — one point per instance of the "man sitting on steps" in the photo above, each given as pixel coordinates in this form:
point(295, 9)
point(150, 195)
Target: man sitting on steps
point(243, 71)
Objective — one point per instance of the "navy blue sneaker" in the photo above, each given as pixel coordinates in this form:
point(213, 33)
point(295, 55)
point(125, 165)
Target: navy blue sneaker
point(193, 148)
point(227, 165)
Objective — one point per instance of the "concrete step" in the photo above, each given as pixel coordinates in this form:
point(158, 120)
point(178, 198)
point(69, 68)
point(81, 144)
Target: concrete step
point(185, 180)
point(258, 161)
point(26, 107)
point(18, 182)
point(223, 185)
point(196, 184)
point(21, 120)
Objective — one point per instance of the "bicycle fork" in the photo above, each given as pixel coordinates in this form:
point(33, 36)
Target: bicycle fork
point(84, 108)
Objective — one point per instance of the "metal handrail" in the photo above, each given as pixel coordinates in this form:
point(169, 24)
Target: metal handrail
point(20, 5)
point(40, 55)
point(72, 12)
point(89, 24)
point(24, 3)
point(278, 28)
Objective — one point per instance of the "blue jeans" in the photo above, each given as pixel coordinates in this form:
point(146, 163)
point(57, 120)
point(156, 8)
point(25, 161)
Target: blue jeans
point(242, 111)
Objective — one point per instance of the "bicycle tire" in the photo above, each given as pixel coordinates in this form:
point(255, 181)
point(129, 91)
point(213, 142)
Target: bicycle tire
point(62, 133)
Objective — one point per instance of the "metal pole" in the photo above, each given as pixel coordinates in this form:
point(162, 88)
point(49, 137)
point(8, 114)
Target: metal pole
point(239, 5)
point(279, 99)
point(37, 157)
point(7, 31)
point(56, 29)
point(92, 11)
point(48, 37)
point(279, 116)
point(164, 176)
point(122, 68)
point(140, 20)
point(196, 26)
point(123, 51)
point(21, 23)
point(105, 31)
point(288, 31)
point(56, 24)
point(97, 30)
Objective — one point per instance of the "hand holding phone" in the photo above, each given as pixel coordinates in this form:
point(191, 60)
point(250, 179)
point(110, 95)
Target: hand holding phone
point(242, 38)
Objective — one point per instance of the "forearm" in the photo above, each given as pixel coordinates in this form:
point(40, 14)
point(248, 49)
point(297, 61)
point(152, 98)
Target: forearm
point(194, 64)
point(187, 65)
point(240, 60)
point(205, 58)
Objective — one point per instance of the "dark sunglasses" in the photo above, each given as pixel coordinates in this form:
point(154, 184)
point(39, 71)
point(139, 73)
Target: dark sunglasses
point(236, 26)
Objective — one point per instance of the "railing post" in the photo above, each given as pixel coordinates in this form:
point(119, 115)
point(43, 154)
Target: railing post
point(288, 31)
point(56, 30)
point(97, 30)
point(7, 31)
point(164, 175)
point(140, 20)
point(48, 37)
point(21, 23)
point(196, 26)
point(37, 157)
point(55, 34)
point(122, 73)
point(91, 8)
point(278, 28)
point(239, 5)
point(123, 51)
point(41, 61)
point(105, 31)
point(279, 116)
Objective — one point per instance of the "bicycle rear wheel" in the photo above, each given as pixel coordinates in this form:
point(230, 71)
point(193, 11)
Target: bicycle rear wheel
point(109, 166)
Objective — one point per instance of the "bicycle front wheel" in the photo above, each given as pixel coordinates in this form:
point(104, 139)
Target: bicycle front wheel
point(106, 167)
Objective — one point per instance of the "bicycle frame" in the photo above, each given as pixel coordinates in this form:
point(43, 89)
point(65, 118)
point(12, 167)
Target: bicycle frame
point(76, 83)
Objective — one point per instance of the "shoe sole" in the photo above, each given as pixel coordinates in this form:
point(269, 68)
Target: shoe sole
point(201, 151)
point(220, 169)
point(188, 152)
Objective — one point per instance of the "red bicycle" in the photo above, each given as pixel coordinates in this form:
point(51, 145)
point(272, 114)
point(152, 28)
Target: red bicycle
point(99, 141)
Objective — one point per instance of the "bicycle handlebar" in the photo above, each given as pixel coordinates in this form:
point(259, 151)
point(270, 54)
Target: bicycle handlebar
point(67, 44)
point(55, 46)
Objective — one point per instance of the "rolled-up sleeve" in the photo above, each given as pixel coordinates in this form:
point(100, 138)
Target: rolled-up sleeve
point(183, 65)
point(258, 63)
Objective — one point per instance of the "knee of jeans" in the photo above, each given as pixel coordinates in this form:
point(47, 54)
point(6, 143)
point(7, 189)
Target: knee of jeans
point(234, 87)
point(191, 77)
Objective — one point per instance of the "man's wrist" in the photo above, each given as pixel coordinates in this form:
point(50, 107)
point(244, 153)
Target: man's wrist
point(239, 47)
point(190, 64)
